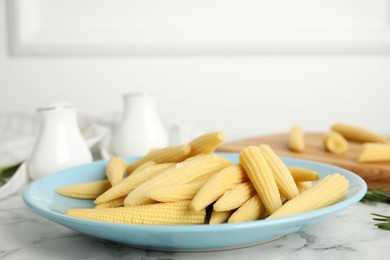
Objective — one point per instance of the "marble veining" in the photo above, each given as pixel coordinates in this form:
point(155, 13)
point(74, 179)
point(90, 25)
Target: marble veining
point(349, 234)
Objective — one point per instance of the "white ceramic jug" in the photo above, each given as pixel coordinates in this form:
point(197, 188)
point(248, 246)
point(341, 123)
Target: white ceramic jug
point(140, 128)
point(60, 144)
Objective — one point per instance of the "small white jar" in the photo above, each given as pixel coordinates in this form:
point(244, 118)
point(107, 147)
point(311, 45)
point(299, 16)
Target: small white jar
point(140, 128)
point(59, 144)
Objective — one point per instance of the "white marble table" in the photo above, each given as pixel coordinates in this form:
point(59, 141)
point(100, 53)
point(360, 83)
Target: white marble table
point(350, 234)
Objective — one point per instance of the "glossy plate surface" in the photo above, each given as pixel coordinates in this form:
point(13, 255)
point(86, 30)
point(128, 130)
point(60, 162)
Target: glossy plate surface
point(41, 197)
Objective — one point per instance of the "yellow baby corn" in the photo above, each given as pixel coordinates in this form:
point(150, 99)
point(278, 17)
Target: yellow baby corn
point(335, 143)
point(217, 185)
point(184, 172)
point(163, 155)
point(89, 190)
point(296, 141)
point(112, 203)
point(252, 209)
point(126, 185)
point(142, 167)
point(371, 152)
point(174, 213)
point(328, 191)
point(283, 177)
point(235, 197)
point(177, 192)
point(303, 174)
point(203, 178)
point(302, 186)
point(115, 169)
point(154, 149)
point(207, 143)
point(261, 176)
point(355, 133)
point(219, 217)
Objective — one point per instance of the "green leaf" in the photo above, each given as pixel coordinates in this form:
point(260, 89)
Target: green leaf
point(377, 195)
point(383, 226)
point(7, 172)
point(385, 221)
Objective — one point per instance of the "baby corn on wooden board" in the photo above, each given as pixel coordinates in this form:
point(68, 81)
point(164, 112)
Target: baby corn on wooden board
point(376, 174)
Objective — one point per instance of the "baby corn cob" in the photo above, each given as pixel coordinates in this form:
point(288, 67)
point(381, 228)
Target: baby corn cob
point(328, 191)
point(207, 143)
point(296, 140)
point(359, 134)
point(235, 197)
point(283, 177)
point(112, 203)
point(252, 209)
point(303, 174)
point(89, 190)
point(304, 185)
point(125, 186)
point(217, 185)
point(115, 169)
point(163, 155)
point(184, 172)
point(177, 192)
point(142, 167)
point(371, 152)
point(261, 176)
point(335, 143)
point(174, 213)
point(219, 217)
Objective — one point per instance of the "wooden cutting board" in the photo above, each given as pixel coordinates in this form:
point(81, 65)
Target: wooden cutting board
point(375, 174)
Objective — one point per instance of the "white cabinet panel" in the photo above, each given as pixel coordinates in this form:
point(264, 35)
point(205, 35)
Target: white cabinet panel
point(120, 27)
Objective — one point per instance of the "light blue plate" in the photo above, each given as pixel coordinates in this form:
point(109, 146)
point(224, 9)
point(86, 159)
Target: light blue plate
point(41, 197)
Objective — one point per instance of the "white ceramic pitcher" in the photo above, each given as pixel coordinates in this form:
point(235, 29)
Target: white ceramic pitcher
point(60, 144)
point(140, 128)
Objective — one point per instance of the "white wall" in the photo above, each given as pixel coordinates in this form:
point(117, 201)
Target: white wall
point(243, 94)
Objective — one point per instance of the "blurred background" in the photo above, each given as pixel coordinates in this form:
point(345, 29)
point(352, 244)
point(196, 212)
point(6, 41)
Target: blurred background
point(243, 66)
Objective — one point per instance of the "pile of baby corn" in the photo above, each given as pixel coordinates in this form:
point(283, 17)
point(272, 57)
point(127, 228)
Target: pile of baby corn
point(188, 184)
